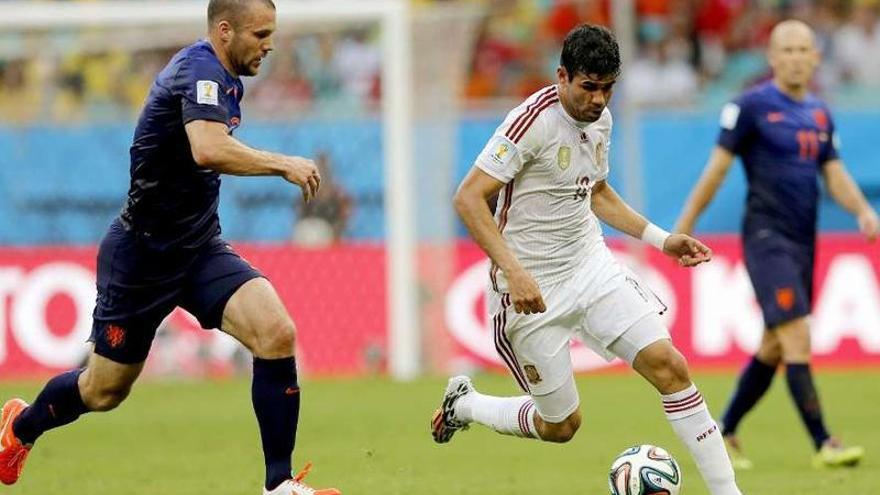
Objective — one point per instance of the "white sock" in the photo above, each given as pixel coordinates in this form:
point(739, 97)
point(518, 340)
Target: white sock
point(691, 421)
point(506, 415)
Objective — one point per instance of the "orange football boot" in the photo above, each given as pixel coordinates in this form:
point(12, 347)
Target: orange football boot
point(13, 453)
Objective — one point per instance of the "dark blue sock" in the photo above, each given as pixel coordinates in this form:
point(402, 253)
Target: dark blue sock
point(275, 394)
point(57, 405)
point(753, 384)
point(800, 384)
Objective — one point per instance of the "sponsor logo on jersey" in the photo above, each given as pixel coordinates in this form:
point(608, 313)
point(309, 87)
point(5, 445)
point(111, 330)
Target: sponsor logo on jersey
point(774, 117)
point(206, 92)
point(563, 157)
point(585, 138)
point(532, 374)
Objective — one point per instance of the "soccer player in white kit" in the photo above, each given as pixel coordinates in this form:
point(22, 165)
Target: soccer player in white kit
point(553, 277)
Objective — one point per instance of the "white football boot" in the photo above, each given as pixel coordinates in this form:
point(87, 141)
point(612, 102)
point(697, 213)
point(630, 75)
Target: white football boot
point(295, 486)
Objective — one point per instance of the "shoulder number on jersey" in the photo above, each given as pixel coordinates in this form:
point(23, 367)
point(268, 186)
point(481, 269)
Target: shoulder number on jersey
point(206, 92)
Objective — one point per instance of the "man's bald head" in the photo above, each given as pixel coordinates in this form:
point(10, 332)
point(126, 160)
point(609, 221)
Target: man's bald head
point(793, 56)
point(232, 10)
point(789, 30)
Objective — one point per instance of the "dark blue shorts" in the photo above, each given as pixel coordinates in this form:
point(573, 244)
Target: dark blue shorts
point(782, 276)
point(139, 286)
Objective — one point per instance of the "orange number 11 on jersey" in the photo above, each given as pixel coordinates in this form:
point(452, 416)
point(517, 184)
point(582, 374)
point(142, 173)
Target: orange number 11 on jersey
point(808, 141)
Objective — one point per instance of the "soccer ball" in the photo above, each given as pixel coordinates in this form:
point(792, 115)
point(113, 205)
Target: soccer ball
point(644, 470)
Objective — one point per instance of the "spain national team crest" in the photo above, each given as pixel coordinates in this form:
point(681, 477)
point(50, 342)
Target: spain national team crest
point(563, 157)
point(532, 374)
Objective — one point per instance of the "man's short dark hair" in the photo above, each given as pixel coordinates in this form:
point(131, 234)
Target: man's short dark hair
point(590, 49)
point(231, 10)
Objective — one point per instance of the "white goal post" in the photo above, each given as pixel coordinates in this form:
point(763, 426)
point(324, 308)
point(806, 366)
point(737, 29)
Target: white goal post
point(397, 118)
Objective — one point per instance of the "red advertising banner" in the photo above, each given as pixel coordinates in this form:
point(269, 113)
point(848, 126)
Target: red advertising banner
point(713, 316)
point(337, 298)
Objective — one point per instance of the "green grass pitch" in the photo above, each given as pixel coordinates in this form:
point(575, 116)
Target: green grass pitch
point(370, 436)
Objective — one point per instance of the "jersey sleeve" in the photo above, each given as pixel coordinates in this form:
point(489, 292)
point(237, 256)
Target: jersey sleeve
point(831, 152)
point(199, 84)
point(503, 157)
point(737, 125)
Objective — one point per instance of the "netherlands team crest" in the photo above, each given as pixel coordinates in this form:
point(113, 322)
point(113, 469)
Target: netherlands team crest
point(563, 157)
point(115, 335)
point(785, 298)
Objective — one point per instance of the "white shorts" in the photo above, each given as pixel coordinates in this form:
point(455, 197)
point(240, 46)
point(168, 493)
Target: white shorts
point(597, 305)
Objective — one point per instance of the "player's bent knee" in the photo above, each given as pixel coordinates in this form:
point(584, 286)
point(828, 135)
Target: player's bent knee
point(106, 399)
point(666, 369)
point(676, 373)
point(562, 432)
point(796, 348)
point(770, 350)
point(276, 340)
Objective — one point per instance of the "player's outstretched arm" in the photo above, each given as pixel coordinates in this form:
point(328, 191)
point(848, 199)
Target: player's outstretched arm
point(702, 194)
point(845, 192)
point(471, 205)
point(613, 210)
point(212, 147)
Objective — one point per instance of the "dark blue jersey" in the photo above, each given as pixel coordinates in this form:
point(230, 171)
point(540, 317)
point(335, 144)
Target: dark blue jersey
point(172, 202)
point(783, 144)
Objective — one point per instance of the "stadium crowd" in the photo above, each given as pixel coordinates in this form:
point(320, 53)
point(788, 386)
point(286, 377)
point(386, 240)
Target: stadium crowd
point(690, 52)
point(687, 49)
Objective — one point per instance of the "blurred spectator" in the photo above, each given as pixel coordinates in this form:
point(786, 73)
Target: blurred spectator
point(315, 53)
point(657, 80)
point(323, 220)
point(284, 90)
point(357, 61)
point(19, 93)
point(857, 46)
point(565, 15)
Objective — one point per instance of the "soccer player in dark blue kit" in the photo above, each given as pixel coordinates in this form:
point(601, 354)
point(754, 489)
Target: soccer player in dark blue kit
point(165, 250)
point(786, 139)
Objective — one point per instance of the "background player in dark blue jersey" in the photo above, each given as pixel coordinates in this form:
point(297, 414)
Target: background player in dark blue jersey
point(165, 250)
point(785, 137)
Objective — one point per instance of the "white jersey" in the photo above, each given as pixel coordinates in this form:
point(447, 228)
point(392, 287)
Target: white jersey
point(550, 163)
